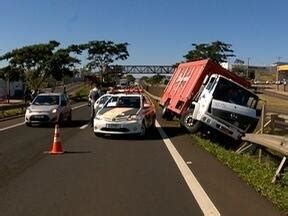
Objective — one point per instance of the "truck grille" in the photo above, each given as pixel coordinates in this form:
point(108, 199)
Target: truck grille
point(241, 121)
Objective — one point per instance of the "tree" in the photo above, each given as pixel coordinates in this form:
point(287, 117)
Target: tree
point(10, 73)
point(130, 78)
point(41, 61)
point(103, 53)
point(217, 51)
point(156, 79)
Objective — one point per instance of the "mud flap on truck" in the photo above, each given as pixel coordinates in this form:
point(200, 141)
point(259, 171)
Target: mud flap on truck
point(189, 123)
point(166, 114)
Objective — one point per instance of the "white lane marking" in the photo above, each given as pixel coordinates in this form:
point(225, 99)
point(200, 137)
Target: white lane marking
point(198, 192)
point(77, 107)
point(22, 123)
point(84, 126)
point(12, 126)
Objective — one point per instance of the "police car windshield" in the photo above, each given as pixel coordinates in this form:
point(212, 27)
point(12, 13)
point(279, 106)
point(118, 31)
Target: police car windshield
point(124, 101)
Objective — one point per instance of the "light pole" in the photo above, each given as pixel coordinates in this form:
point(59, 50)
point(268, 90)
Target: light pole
point(277, 71)
point(279, 58)
point(247, 74)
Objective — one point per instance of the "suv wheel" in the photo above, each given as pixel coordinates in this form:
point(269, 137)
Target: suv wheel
point(143, 130)
point(69, 118)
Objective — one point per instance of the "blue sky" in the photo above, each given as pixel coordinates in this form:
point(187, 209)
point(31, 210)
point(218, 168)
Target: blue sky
point(158, 31)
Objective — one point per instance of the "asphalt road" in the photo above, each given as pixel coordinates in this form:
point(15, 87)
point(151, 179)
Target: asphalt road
point(115, 175)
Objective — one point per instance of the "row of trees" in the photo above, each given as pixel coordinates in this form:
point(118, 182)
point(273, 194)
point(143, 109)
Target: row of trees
point(36, 63)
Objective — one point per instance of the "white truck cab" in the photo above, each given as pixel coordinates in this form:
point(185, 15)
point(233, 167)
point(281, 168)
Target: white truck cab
point(224, 106)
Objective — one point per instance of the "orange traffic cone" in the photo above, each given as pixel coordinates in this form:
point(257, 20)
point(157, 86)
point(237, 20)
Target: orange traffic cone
point(57, 145)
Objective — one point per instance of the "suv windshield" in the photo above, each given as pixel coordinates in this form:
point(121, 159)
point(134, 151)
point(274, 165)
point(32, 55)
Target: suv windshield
point(46, 100)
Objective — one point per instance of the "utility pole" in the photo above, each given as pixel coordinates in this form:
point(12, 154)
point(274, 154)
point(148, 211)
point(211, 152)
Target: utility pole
point(8, 98)
point(247, 74)
point(277, 72)
point(279, 57)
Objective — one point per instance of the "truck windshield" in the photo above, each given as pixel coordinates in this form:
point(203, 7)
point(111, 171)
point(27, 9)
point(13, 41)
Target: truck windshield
point(230, 92)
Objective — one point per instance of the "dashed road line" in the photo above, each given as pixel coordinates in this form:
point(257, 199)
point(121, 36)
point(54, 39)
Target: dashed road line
point(84, 126)
point(77, 107)
point(12, 126)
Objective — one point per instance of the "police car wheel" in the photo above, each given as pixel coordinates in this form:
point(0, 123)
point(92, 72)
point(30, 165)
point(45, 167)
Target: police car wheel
point(143, 130)
point(98, 134)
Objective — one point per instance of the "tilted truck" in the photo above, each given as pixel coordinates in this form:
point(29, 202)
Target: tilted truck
point(202, 93)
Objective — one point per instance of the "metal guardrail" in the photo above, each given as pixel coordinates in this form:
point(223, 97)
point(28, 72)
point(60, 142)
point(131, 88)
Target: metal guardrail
point(12, 106)
point(276, 143)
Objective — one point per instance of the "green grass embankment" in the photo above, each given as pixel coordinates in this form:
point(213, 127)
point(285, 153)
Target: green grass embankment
point(256, 174)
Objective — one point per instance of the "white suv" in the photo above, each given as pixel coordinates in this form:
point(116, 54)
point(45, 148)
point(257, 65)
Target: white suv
point(48, 108)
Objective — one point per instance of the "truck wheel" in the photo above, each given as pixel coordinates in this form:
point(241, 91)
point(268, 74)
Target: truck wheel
point(166, 114)
point(190, 124)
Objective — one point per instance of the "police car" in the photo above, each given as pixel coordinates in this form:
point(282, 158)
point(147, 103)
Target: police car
point(124, 113)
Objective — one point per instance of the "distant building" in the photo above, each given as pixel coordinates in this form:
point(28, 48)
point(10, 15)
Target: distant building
point(282, 72)
point(16, 89)
point(3, 92)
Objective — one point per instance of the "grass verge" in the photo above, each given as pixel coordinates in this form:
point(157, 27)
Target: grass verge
point(257, 175)
point(12, 112)
point(81, 94)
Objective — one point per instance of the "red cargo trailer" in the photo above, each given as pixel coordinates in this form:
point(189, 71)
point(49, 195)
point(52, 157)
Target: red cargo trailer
point(187, 80)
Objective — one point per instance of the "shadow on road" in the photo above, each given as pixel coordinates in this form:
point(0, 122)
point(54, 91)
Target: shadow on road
point(151, 134)
point(77, 152)
point(76, 123)
point(174, 131)
point(72, 124)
